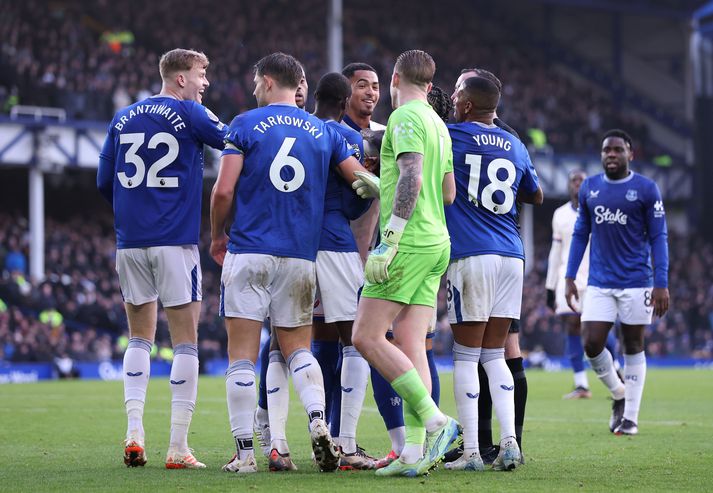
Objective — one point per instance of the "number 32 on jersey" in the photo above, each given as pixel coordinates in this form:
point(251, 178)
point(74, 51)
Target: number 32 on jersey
point(487, 196)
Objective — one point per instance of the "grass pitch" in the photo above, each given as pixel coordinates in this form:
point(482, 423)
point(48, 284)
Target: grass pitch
point(67, 436)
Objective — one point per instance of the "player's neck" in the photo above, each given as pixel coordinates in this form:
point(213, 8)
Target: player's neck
point(328, 113)
point(406, 95)
point(362, 120)
point(486, 118)
point(171, 93)
point(281, 96)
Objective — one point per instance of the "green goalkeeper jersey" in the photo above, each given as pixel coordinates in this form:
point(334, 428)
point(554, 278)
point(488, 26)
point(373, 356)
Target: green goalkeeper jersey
point(415, 127)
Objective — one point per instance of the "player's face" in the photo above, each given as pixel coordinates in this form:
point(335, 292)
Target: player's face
point(575, 182)
point(195, 83)
point(616, 155)
point(461, 105)
point(462, 78)
point(260, 89)
point(301, 94)
point(365, 92)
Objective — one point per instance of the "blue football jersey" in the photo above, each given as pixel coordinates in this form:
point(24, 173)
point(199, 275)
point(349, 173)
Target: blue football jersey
point(151, 170)
point(279, 201)
point(489, 166)
point(627, 222)
point(341, 203)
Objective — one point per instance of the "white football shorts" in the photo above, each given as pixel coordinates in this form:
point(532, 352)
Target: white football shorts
point(484, 286)
point(633, 305)
point(169, 273)
point(255, 286)
point(340, 277)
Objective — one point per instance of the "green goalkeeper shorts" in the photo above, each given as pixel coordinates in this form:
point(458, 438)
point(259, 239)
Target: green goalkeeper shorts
point(414, 278)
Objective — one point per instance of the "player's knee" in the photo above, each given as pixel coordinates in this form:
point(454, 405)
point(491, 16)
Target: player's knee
point(593, 348)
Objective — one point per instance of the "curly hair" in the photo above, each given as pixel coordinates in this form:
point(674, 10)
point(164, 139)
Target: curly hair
point(441, 102)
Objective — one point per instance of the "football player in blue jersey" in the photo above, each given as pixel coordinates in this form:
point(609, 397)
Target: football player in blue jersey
point(274, 171)
point(624, 214)
point(271, 357)
point(151, 171)
point(513, 356)
point(485, 277)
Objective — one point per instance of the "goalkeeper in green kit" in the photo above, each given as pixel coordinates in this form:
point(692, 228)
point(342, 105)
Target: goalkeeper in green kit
point(403, 273)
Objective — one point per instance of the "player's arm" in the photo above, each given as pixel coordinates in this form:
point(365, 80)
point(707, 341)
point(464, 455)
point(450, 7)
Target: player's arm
point(449, 188)
point(536, 198)
point(207, 128)
point(408, 187)
point(221, 201)
point(529, 191)
point(658, 239)
point(580, 238)
point(105, 172)
point(553, 264)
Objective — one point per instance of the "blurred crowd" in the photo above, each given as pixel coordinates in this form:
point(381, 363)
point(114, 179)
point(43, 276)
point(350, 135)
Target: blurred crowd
point(77, 311)
point(92, 58)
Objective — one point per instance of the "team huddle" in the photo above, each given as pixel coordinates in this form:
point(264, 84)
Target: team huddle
point(293, 220)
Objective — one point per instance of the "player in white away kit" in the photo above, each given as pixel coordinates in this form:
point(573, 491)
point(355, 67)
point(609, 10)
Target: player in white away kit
point(562, 228)
point(624, 214)
point(485, 276)
point(274, 171)
point(151, 171)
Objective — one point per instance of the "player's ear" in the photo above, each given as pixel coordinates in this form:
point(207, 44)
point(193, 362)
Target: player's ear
point(181, 79)
point(395, 79)
point(429, 87)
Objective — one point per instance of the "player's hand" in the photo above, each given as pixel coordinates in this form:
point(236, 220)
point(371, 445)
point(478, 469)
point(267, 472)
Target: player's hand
point(551, 299)
point(372, 164)
point(376, 269)
point(367, 186)
point(570, 291)
point(660, 299)
point(218, 248)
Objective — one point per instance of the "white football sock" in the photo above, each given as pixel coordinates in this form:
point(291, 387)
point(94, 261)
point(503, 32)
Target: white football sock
point(502, 387)
point(308, 382)
point(242, 399)
point(137, 369)
point(355, 372)
point(466, 387)
point(603, 366)
point(634, 376)
point(184, 389)
point(278, 400)
point(580, 379)
point(398, 439)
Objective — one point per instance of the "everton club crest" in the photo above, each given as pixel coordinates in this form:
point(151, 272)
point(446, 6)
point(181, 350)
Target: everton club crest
point(631, 195)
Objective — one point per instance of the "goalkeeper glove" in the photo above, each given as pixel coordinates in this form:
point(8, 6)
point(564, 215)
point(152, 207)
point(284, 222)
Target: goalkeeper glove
point(376, 270)
point(367, 186)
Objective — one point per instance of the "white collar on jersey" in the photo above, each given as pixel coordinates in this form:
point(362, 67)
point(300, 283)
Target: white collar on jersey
point(485, 125)
point(623, 180)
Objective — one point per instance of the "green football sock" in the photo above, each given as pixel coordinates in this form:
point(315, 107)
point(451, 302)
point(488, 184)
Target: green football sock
point(415, 431)
point(412, 390)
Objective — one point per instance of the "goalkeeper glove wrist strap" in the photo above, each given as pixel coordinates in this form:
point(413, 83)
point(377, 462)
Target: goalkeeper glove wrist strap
point(394, 230)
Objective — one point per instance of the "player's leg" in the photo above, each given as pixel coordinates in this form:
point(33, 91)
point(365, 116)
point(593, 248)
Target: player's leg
point(502, 387)
point(136, 370)
point(325, 348)
point(513, 358)
point(183, 322)
point(468, 339)
point(599, 311)
point(431, 359)
point(140, 294)
point(575, 351)
point(278, 403)
point(354, 377)
point(178, 280)
point(405, 365)
point(291, 312)
point(243, 348)
point(245, 299)
point(635, 311)
point(261, 421)
point(391, 410)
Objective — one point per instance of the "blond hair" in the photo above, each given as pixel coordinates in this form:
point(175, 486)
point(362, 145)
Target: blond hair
point(180, 60)
point(416, 66)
